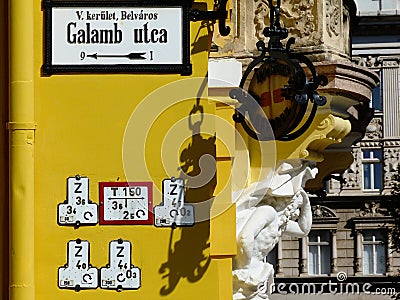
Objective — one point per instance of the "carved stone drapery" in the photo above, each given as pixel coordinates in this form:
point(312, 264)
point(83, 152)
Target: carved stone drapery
point(319, 211)
point(374, 129)
point(324, 217)
point(372, 209)
point(352, 175)
point(298, 16)
point(368, 61)
point(391, 163)
point(333, 17)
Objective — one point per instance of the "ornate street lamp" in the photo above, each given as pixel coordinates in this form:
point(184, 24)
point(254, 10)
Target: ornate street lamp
point(279, 86)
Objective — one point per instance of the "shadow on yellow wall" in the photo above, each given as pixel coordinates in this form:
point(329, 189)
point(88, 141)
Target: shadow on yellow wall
point(189, 257)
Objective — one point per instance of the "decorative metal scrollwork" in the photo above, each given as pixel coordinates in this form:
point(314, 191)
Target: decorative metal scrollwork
point(297, 88)
point(219, 14)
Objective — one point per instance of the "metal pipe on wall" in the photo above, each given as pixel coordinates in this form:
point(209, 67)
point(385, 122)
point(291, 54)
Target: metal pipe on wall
point(21, 145)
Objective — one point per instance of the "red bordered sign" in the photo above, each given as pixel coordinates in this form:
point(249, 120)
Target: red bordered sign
point(126, 203)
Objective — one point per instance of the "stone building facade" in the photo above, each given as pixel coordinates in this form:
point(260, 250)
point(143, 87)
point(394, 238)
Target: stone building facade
point(350, 232)
point(347, 252)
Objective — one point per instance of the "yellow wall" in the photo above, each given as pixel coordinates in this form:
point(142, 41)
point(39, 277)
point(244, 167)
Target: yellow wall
point(3, 150)
point(81, 121)
point(116, 128)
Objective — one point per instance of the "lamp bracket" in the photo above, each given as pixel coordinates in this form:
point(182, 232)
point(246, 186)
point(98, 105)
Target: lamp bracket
point(219, 14)
point(300, 89)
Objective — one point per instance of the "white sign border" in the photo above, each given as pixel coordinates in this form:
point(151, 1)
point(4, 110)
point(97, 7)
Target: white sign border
point(48, 68)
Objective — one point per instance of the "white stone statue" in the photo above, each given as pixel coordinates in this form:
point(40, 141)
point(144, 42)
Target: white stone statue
point(264, 211)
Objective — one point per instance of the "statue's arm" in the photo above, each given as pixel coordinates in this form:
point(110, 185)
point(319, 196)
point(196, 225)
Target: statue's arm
point(302, 227)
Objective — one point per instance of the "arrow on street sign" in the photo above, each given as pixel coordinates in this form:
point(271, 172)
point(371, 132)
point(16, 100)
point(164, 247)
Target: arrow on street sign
point(131, 56)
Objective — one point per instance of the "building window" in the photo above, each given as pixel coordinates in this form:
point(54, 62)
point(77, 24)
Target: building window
point(375, 6)
point(372, 169)
point(319, 252)
point(376, 101)
point(374, 252)
point(272, 256)
point(369, 5)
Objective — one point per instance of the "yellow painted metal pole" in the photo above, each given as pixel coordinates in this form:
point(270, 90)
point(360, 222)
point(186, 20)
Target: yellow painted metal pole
point(22, 130)
point(3, 150)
